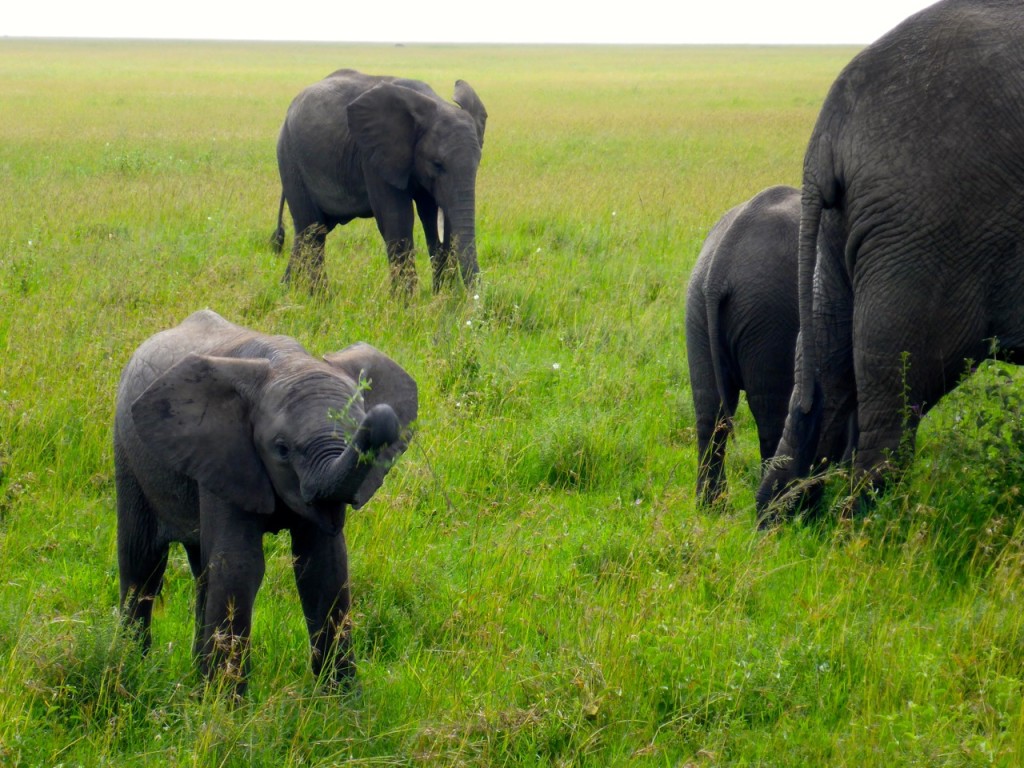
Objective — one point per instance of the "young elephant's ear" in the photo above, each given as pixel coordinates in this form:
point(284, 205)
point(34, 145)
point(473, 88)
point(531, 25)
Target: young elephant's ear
point(385, 122)
point(386, 383)
point(466, 98)
point(195, 417)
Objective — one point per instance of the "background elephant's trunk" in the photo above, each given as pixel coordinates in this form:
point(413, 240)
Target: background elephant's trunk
point(461, 239)
point(342, 478)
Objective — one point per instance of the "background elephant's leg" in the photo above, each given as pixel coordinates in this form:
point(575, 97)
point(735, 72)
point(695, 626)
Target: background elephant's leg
point(233, 567)
point(427, 211)
point(769, 412)
point(887, 415)
point(811, 440)
point(321, 574)
point(141, 556)
point(903, 367)
point(311, 228)
point(307, 257)
point(438, 243)
point(393, 210)
point(766, 367)
point(402, 265)
point(712, 437)
point(834, 344)
point(910, 351)
point(707, 405)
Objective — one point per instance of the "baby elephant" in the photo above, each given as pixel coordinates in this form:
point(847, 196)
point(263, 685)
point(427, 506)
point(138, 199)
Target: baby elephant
point(741, 327)
point(222, 435)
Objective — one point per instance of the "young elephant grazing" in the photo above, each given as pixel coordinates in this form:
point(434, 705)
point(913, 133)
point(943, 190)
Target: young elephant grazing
point(741, 327)
point(223, 435)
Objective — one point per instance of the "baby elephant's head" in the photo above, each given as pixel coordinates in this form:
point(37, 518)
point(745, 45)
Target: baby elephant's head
point(315, 435)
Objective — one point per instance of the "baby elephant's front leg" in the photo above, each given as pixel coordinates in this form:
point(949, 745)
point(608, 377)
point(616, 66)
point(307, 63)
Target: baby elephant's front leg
point(233, 568)
point(321, 574)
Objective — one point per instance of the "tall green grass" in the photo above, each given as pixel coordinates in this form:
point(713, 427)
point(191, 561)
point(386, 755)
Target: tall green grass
point(532, 585)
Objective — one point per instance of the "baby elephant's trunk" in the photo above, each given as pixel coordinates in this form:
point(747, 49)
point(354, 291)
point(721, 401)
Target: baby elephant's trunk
point(379, 429)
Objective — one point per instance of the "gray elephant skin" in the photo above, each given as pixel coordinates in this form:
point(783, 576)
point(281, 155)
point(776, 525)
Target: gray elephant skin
point(741, 327)
point(356, 146)
point(914, 179)
point(222, 435)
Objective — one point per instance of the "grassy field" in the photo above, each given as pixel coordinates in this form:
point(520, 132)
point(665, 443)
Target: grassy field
point(533, 585)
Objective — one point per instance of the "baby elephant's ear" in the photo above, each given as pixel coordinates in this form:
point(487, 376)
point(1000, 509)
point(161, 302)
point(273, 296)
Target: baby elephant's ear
point(386, 383)
point(195, 418)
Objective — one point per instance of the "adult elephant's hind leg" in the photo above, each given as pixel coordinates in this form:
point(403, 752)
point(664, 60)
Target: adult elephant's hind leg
point(902, 368)
point(887, 418)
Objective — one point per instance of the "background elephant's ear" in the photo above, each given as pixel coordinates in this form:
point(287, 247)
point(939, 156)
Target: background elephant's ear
point(195, 417)
point(466, 98)
point(389, 384)
point(384, 123)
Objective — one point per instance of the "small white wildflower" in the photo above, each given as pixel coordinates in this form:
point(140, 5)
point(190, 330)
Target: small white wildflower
point(614, 214)
point(556, 367)
point(29, 243)
point(476, 297)
point(469, 323)
point(538, 250)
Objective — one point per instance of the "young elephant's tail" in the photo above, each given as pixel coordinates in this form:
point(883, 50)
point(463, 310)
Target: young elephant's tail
point(714, 297)
point(277, 239)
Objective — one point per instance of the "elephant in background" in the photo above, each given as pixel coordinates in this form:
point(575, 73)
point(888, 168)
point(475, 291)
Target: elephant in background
point(356, 146)
point(741, 327)
point(223, 435)
point(914, 181)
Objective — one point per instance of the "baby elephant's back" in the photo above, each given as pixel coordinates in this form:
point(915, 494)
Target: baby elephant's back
point(203, 332)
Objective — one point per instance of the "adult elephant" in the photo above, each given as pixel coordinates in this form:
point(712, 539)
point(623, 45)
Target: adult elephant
point(356, 146)
point(741, 327)
point(915, 174)
point(223, 435)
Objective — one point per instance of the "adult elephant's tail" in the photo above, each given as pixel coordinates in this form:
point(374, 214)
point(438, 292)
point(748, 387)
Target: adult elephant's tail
point(277, 239)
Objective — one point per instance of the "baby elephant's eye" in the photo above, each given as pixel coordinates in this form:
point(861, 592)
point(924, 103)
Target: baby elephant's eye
point(281, 450)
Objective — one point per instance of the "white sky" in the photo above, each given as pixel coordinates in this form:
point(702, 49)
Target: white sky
point(465, 21)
